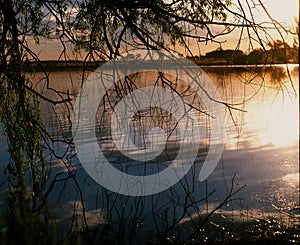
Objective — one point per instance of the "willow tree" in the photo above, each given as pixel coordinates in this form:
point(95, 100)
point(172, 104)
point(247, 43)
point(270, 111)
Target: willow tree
point(98, 30)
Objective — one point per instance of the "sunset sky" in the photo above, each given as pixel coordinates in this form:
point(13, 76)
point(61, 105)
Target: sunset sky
point(283, 11)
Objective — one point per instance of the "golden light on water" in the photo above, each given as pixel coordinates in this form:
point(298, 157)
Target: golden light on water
point(279, 120)
point(292, 179)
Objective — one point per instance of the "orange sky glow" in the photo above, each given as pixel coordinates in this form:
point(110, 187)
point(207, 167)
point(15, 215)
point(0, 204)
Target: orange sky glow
point(283, 11)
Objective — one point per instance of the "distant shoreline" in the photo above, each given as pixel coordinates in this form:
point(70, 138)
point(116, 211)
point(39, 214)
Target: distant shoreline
point(74, 65)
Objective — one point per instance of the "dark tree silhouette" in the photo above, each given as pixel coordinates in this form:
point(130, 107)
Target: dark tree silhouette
point(98, 30)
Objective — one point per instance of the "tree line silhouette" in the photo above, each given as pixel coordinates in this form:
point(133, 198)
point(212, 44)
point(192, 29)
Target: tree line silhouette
point(277, 52)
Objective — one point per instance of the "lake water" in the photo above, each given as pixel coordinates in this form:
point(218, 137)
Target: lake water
point(261, 151)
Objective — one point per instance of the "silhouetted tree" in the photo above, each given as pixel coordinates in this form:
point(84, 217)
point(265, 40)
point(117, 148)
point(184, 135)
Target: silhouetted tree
point(257, 56)
point(229, 56)
point(279, 52)
point(98, 30)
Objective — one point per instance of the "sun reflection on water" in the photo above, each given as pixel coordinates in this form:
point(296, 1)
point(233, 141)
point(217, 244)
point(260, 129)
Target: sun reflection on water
point(274, 118)
point(279, 120)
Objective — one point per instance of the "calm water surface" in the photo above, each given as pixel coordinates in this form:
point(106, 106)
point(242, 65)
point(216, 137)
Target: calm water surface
point(262, 150)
